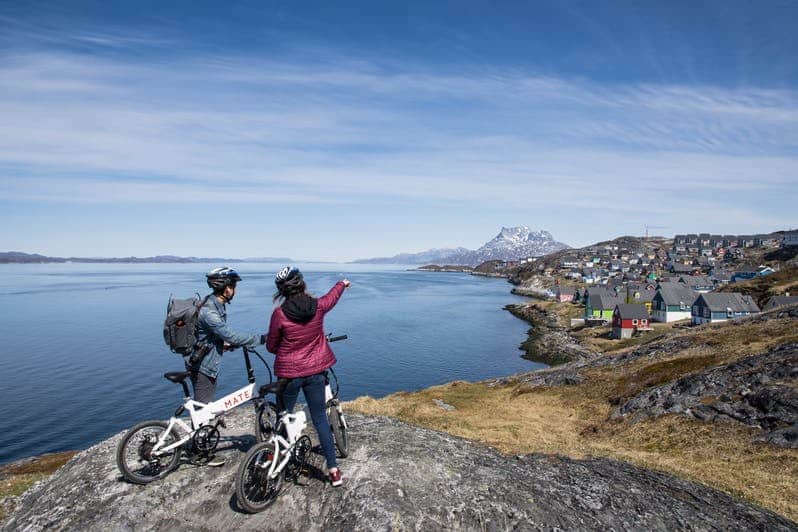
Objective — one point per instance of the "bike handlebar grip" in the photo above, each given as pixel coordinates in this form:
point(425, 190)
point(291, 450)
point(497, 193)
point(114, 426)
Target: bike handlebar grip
point(336, 338)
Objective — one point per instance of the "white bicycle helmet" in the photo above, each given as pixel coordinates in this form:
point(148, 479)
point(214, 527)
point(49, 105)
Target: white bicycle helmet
point(289, 279)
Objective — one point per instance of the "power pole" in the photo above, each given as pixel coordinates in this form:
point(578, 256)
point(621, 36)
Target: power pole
point(654, 227)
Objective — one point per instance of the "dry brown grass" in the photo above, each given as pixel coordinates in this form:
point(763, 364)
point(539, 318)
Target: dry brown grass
point(598, 338)
point(563, 311)
point(15, 479)
point(573, 420)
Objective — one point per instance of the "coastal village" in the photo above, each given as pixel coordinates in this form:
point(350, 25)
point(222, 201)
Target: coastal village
point(634, 283)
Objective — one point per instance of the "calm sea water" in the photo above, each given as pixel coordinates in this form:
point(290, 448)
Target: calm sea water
point(83, 355)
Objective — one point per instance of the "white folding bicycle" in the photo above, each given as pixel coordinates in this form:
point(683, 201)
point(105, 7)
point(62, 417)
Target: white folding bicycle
point(152, 449)
point(283, 451)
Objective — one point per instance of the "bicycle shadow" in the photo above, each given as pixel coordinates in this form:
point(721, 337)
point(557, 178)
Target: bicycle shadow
point(241, 443)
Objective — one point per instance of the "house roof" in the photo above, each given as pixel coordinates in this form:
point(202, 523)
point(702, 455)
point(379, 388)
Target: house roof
point(681, 268)
point(604, 302)
point(645, 295)
point(722, 275)
point(778, 301)
point(720, 302)
point(677, 293)
point(595, 291)
point(696, 280)
point(632, 311)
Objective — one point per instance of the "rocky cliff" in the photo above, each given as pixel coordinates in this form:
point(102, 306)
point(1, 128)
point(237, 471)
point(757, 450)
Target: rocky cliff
point(397, 477)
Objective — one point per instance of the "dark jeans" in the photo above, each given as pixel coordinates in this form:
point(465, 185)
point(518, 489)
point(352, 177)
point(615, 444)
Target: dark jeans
point(313, 388)
point(204, 386)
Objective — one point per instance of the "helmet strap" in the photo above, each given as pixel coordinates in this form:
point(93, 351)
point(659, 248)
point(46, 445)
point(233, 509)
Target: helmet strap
point(222, 295)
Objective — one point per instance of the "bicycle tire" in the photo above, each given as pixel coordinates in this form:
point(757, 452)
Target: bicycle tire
point(340, 436)
point(127, 457)
point(255, 491)
point(265, 421)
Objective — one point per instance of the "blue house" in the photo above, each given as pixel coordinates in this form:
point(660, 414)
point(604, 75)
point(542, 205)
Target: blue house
point(714, 307)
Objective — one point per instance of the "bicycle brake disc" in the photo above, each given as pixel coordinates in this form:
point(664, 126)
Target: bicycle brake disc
point(145, 449)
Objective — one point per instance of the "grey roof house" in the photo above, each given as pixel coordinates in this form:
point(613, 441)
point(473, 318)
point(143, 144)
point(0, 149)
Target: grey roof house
point(673, 302)
point(780, 301)
point(714, 307)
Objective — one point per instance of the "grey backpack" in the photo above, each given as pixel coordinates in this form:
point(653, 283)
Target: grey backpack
point(180, 325)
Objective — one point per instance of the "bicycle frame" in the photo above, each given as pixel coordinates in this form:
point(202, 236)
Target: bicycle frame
point(202, 414)
point(294, 427)
point(331, 399)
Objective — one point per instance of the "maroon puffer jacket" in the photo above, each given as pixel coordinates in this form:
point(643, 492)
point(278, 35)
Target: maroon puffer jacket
point(301, 348)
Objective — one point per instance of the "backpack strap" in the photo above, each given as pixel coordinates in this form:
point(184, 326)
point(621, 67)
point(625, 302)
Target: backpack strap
point(199, 307)
point(199, 352)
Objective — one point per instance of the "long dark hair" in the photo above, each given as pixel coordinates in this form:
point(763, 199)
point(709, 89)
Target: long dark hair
point(292, 285)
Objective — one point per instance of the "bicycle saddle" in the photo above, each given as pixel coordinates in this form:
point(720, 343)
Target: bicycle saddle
point(177, 376)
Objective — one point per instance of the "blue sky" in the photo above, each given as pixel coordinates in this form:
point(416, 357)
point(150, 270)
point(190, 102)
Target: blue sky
point(338, 130)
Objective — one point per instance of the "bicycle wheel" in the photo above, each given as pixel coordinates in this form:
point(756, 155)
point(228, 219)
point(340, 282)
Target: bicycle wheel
point(134, 456)
point(265, 421)
point(339, 430)
point(255, 491)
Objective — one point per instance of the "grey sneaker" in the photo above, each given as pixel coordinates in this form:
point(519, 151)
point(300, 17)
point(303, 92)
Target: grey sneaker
point(215, 461)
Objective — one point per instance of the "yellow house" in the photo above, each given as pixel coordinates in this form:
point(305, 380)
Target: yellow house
point(640, 295)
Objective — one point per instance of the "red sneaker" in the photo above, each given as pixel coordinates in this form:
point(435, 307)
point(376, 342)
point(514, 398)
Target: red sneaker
point(336, 478)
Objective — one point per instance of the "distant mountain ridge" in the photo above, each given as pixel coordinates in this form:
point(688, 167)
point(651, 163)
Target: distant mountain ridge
point(512, 243)
point(430, 256)
point(34, 258)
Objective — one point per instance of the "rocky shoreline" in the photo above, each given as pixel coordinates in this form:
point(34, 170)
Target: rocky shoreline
point(547, 340)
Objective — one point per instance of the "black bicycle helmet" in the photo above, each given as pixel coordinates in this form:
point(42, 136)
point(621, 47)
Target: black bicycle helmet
point(289, 281)
point(221, 278)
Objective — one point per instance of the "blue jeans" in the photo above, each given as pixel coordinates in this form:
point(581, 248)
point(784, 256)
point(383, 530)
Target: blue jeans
point(313, 388)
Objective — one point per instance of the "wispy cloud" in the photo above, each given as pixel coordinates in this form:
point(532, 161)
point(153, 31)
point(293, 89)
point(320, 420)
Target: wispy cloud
point(81, 127)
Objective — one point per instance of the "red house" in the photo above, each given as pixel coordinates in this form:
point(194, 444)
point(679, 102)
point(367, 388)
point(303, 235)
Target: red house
point(628, 318)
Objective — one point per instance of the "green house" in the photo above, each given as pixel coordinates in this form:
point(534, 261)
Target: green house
point(600, 305)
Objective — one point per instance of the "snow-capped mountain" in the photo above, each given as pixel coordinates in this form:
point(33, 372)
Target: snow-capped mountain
point(512, 243)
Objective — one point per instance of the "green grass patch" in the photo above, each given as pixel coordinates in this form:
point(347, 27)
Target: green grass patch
point(16, 478)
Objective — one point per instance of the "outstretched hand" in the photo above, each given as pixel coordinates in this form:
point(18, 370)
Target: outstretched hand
point(347, 283)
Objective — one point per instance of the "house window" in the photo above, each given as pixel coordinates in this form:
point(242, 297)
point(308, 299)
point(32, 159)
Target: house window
point(682, 306)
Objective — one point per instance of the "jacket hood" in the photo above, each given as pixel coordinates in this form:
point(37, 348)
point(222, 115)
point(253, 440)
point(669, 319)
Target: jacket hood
point(300, 308)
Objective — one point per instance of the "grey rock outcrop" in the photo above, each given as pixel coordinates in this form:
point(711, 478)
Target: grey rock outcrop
point(548, 341)
point(759, 391)
point(397, 477)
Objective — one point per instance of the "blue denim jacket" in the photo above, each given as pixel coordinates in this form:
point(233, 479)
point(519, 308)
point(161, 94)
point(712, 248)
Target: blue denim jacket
point(212, 329)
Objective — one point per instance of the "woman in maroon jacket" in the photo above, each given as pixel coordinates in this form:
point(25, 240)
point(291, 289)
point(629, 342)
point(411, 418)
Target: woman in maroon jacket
point(296, 337)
